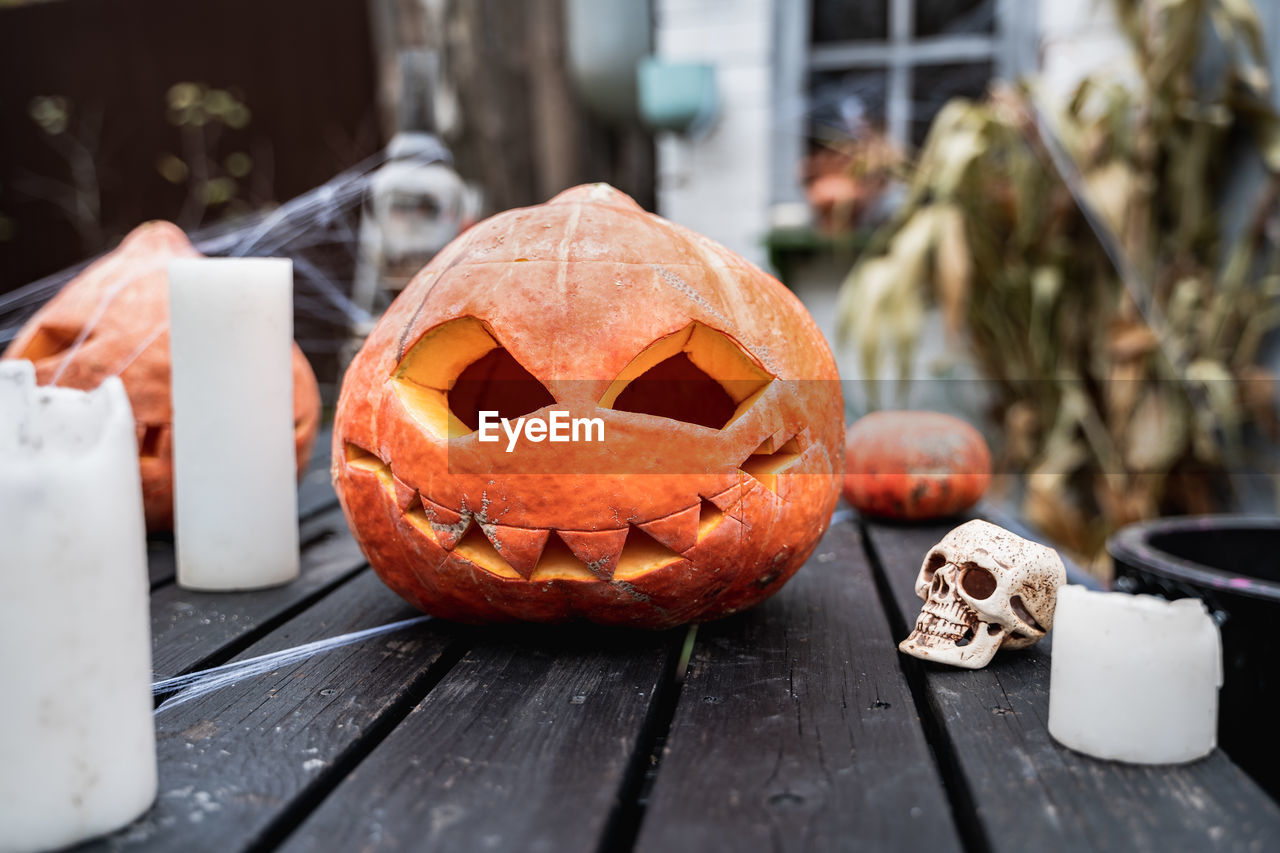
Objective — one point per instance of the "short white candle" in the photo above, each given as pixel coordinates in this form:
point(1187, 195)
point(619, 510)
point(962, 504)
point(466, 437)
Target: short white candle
point(1134, 677)
point(235, 486)
point(77, 737)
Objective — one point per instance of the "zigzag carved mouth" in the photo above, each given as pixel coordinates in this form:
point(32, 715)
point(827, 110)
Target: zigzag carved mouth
point(620, 554)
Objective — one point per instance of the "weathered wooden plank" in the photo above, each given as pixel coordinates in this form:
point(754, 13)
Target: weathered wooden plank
point(1025, 792)
point(235, 764)
point(525, 745)
point(796, 730)
point(189, 629)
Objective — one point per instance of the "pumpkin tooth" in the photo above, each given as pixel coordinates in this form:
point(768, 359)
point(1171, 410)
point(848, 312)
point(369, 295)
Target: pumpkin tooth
point(729, 498)
point(406, 495)
point(678, 531)
point(448, 535)
point(449, 525)
point(439, 513)
point(599, 549)
point(519, 546)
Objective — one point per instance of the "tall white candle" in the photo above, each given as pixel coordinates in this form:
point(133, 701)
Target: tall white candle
point(77, 737)
point(235, 487)
point(1133, 677)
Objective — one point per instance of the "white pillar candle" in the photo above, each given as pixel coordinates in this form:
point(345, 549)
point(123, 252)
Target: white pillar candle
point(77, 737)
point(1134, 677)
point(235, 485)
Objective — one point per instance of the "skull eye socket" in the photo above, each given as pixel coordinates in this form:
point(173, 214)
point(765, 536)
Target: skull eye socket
point(977, 582)
point(696, 375)
point(457, 370)
point(932, 563)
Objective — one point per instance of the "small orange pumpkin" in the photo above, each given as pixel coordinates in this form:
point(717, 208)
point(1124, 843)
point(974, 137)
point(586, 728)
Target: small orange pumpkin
point(914, 465)
point(123, 301)
point(721, 424)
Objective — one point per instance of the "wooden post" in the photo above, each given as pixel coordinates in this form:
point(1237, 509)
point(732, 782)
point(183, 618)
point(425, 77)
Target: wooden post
point(503, 102)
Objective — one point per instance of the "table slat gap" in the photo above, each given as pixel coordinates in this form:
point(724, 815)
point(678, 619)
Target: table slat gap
point(311, 798)
point(960, 798)
point(525, 744)
point(795, 729)
point(623, 824)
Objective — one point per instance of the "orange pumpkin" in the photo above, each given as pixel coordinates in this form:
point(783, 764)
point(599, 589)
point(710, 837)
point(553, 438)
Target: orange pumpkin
point(720, 411)
point(914, 465)
point(123, 301)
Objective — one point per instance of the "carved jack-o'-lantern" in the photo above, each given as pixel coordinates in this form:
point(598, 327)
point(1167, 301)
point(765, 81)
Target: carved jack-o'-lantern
point(120, 307)
point(712, 473)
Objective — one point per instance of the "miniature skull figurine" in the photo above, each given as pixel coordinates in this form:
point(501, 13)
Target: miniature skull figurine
point(983, 588)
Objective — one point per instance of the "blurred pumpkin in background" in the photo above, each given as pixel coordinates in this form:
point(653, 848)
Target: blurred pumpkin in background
point(113, 320)
point(914, 465)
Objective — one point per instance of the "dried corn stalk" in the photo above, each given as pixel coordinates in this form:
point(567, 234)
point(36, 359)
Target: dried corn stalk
point(1087, 270)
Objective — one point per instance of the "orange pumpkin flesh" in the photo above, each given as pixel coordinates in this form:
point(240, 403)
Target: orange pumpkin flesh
point(914, 465)
point(124, 297)
point(722, 419)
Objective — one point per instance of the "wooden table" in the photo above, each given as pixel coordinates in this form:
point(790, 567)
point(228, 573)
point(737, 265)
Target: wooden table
point(795, 726)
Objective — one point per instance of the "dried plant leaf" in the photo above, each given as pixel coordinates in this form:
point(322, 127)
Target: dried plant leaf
point(1240, 17)
point(953, 266)
point(1116, 322)
point(1258, 398)
point(1131, 340)
point(1157, 433)
point(1046, 286)
point(955, 153)
point(1110, 188)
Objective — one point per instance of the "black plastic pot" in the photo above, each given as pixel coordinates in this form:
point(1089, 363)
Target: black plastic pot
point(1232, 563)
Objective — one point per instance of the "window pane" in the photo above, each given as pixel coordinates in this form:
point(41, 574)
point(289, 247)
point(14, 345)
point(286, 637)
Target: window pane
point(938, 17)
point(848, 20)
point(844, 104)
point(933, 85)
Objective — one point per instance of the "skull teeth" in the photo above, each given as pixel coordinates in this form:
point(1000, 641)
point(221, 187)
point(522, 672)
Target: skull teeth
point(946, 620)
point(941, 630)
point(955, 612)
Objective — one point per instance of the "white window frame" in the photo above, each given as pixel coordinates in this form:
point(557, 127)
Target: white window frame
point(1012, 48)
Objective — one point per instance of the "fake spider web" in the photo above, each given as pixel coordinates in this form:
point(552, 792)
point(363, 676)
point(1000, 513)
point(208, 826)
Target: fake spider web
point(318, 230)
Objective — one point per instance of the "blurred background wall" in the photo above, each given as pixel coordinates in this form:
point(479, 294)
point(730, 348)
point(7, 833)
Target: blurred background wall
point(113, 112)
point(91, 143)
point(116, 111)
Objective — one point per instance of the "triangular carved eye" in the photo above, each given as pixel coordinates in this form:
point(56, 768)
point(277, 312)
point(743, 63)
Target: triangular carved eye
point(457, 370)
point(696, 375)
point(496, 382)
